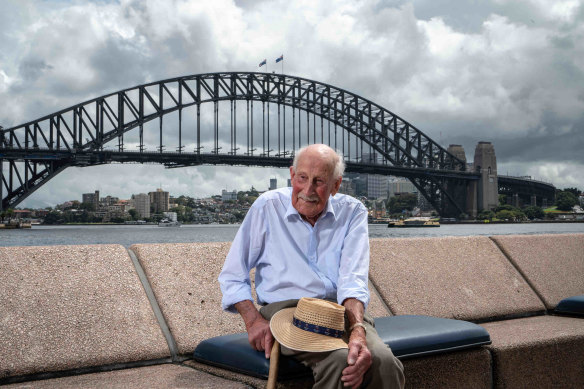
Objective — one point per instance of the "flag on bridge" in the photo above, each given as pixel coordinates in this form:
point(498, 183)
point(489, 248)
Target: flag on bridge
point(263, 63)
point(280, 58)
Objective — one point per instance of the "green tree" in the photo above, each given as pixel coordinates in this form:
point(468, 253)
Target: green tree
point(87, 207)
point(53, 218)
point(502, 199)
point(505, 215)
point(486, 215)
point(533, 212)
point(118, 220)
point(8, 213)
point(406, 201)
point(134, 214)
point(565, 201)
point(510, 215)
point(575, 191)
point(505, 207)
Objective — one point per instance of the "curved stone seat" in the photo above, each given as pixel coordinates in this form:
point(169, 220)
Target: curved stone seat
point(70, 307)
point(69, 313)
point(553, 264)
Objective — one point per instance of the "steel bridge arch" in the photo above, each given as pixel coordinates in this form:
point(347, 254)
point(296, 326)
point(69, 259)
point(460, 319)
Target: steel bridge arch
point(50, 144)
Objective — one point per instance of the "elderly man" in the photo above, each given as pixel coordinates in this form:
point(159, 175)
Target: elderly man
point(309, 241)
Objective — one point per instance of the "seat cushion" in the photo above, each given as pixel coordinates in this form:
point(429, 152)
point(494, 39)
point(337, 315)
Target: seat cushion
point(233, 352)
point(571, 305)
point(415, 335)
point(408, 336)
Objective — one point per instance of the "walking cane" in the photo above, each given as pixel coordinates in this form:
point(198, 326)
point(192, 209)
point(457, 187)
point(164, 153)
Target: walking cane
point(274, 359)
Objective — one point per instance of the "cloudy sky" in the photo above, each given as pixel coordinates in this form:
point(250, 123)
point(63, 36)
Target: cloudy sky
point(509, 72)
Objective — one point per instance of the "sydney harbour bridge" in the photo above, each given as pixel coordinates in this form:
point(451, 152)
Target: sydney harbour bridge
point(248, 119)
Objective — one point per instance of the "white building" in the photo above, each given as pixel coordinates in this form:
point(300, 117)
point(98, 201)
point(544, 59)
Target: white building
point(172, 216)
point(228, 196)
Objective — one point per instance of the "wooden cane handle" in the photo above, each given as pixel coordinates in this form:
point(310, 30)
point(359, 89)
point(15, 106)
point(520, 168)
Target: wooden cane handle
point(274, 359)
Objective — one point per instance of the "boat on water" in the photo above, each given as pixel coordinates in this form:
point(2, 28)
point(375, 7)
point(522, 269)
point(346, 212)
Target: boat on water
point(15, 225)
point(168, 223)
point(414, 222)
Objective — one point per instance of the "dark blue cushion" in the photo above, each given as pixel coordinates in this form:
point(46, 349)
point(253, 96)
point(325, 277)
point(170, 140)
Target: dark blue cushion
point(408, 336)
point(572, 305)
point(412, 336)
point(233, 352)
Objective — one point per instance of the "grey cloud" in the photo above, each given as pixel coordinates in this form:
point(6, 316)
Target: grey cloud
point(31, 69)
point(524, 97)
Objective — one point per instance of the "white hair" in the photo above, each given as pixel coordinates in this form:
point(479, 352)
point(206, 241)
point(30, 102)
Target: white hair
point(339, 167)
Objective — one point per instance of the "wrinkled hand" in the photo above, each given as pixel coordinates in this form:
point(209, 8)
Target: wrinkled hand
point(259, 336)
point(359, 359)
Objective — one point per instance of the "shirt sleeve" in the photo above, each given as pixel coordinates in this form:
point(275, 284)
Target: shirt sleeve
point(353, 279)
point(242, 257)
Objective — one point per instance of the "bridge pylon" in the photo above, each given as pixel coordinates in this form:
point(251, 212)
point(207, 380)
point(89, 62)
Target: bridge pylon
point(485, 163)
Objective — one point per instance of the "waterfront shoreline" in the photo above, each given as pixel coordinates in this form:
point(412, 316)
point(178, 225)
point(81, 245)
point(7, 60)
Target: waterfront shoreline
point(480, 222)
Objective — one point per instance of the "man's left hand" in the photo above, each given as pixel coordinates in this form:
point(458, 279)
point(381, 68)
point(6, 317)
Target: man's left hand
point(359, 359)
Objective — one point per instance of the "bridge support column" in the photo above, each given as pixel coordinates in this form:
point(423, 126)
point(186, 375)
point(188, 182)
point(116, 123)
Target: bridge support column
point(465, 195)
point(485, 163)
point(515, 200)
point(534, 200)
point(472, 189)
point(1, 184)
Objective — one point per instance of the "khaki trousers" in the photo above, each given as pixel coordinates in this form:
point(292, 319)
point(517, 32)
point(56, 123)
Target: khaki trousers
point(386, 370)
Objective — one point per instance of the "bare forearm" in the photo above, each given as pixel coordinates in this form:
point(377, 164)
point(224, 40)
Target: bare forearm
point(355, 310)
point(359, 357)
point(248, 312)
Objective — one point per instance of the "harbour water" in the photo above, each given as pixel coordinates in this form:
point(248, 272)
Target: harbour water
point(128, 235)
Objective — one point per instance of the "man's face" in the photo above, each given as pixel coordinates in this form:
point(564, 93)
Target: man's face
point(312, 183)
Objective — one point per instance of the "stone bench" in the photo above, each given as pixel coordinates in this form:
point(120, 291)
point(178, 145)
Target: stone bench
point(508, 284)
point(86, 316)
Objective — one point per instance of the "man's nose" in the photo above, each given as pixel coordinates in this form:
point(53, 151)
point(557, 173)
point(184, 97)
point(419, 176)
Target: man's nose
point(309, 188)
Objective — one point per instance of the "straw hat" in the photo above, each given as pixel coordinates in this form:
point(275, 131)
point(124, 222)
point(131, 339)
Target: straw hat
point(314, 325)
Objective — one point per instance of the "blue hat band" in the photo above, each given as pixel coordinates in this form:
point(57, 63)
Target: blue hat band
point(317, 329)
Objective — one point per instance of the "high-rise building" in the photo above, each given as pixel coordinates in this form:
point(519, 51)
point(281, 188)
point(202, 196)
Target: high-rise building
point(108, 200)
point(358, 183)
point(401, 186)
point(91, 198)
point(377, 186)
point(273, 183)
point(160, 200)
point(142, 204)
point(347, 187)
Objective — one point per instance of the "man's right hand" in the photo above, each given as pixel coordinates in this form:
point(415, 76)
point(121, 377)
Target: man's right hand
point(258, 329)
point(260, 337)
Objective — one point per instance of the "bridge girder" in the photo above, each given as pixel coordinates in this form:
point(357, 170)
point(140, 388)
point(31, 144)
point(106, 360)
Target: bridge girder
point(79, 135)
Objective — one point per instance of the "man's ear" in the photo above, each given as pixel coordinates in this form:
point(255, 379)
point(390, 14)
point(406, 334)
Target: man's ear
point(336, 186)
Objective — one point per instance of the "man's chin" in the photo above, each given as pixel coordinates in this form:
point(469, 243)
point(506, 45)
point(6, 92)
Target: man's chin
point(309, 212)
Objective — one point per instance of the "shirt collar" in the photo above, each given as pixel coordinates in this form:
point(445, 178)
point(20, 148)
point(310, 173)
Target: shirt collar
point(328, 209)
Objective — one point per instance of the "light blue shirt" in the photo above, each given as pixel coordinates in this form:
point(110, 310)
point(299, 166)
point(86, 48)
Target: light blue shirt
point(294, 259)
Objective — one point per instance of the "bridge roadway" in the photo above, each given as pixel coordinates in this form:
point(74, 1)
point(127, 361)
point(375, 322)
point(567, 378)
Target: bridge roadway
point(182, 159)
